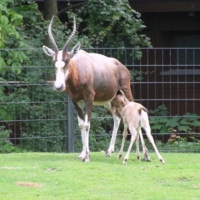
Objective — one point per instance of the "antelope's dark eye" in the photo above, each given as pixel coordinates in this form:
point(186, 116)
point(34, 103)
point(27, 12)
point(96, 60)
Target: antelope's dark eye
point(66, 58)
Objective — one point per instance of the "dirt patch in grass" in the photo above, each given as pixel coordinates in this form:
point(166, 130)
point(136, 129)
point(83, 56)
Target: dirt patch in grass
point(29, 184)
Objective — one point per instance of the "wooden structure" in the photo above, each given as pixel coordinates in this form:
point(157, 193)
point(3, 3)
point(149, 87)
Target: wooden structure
point(170, 23)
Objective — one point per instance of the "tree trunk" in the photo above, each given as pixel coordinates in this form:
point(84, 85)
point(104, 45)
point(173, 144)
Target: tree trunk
point(50, 9)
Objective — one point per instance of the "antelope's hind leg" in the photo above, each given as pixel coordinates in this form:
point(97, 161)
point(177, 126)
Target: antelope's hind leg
point(148, 132)
point(114, 135)
point(137, 147)
point(144, 148)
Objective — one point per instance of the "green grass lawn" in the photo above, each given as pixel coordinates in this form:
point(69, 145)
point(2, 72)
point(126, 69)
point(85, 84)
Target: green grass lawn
point(49, 176)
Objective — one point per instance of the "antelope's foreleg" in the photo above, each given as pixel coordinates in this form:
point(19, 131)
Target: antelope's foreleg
point(80, 118)
point(85, 127)
point(84, 155)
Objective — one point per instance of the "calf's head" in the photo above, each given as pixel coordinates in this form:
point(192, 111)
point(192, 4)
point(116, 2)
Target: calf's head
point(61, 59)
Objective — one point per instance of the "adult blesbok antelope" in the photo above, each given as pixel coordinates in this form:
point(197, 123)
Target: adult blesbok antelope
point(88, 78)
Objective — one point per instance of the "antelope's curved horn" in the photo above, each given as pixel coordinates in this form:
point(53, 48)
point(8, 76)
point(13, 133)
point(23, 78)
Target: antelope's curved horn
point(71, 37)
point(51, 35)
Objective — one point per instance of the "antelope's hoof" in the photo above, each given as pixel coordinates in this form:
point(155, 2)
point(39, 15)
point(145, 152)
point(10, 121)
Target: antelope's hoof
point(79, 156)
point(119, 156)
point(125, 161)
point(146, 160)
point(85, 160)
point(108, 153)
point(162, 161)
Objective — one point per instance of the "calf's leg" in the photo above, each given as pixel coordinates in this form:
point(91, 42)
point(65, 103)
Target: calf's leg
point(133, 137)
point(123, 139)
point(148, 132)
point(137, 147)
point(144, 148)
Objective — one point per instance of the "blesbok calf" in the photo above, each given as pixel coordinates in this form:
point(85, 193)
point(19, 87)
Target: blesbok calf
point(134, 117)
point(88, 78)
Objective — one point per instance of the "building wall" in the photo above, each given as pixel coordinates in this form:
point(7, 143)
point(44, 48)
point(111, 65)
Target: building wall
point(169, 21)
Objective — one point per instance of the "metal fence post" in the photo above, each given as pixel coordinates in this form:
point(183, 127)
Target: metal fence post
point(70, 132)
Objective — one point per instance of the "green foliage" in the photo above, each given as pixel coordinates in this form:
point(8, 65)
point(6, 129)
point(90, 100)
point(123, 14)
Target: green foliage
point(137, 75)
point(5, 145)
point(32, 105)
point(21, 104)
point(114, 25)
point(20, 24)
point(180, 145)
point(48, 136)
point(161, 122)
point(9, 35)
point(9, 21)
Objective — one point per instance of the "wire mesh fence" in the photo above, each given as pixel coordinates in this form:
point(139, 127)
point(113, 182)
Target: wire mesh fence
point(168, 86)
point(33, 117)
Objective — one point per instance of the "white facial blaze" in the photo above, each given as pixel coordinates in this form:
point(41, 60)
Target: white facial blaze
point(61, 75)
point(59, 64)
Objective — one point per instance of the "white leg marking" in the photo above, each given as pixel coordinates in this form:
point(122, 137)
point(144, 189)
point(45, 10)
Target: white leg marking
point(81, 125)
point(114, 135)
point(85, 128)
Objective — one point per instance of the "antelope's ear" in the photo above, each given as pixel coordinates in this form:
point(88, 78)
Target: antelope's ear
point(48, 51)
point(75, 49)
point(126, 100)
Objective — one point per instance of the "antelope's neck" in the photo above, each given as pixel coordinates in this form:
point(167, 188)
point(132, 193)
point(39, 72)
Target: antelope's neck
point(72, 80)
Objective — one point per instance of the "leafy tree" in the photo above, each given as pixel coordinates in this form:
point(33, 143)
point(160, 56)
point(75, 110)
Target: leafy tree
point(21, 26)
point(22, 32)
point(9, 35)
point(112, 23)
point(104, 23)
point(9, 20)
